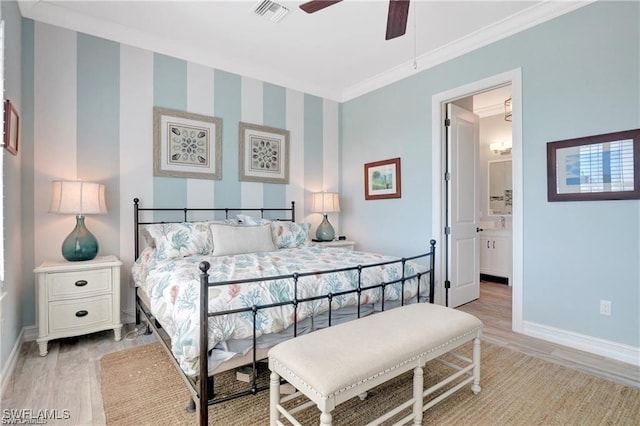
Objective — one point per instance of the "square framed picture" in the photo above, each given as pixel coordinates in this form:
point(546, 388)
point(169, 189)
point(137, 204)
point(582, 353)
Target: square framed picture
point(382, 179)
point(264, 154)
point(11, 128)
point(186, 145)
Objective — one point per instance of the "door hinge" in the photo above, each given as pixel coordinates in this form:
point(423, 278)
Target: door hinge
point(447, 122)
point(447, 230)
point(447, 176)
point(447, 284)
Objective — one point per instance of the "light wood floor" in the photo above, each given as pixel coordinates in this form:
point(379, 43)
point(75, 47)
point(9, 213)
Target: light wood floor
point(69, 376)
point(494, 309)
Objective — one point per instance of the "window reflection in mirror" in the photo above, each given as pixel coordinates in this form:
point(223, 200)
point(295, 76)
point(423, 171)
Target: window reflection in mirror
point(500, 187)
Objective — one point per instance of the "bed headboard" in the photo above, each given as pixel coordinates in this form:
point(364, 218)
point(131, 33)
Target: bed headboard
point(150, 215)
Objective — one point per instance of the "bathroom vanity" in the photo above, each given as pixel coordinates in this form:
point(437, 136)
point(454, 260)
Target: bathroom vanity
point(496, 254)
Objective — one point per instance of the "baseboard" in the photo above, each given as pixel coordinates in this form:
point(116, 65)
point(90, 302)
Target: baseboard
point(30, 333)
point(127, 317)
point(494, 279)
point(10, 365)
point(594, 345)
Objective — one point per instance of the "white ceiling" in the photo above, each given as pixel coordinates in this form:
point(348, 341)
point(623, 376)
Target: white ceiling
point(337, 53)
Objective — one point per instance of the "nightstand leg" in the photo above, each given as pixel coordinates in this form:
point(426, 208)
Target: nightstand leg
point(43, 347)
point(118, 333)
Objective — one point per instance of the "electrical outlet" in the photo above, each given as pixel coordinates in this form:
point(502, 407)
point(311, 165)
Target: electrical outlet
point(605, 307)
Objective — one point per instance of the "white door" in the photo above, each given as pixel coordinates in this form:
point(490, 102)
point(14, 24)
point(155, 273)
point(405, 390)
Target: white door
point(462, 206)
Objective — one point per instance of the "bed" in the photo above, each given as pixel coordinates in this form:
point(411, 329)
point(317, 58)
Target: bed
point(264, 281)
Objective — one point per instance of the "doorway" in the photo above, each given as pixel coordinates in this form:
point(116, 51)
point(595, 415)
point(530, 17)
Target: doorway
point(495, 183)
point(439, 209)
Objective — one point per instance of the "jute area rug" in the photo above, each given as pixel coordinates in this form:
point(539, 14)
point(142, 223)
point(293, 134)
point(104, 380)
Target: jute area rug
point(140, 386)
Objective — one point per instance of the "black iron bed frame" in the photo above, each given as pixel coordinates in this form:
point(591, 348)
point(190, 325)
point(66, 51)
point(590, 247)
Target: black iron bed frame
point(203, 384)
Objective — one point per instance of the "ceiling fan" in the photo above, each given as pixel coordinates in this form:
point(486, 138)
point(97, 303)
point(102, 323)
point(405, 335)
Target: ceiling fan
point(396, 18)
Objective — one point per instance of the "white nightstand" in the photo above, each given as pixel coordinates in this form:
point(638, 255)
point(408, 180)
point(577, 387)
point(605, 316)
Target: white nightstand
point(76, 298)
point(337, 243)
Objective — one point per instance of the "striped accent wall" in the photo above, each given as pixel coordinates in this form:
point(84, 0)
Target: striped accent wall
point(93, 121)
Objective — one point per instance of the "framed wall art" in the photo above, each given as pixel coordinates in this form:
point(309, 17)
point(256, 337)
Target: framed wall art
point(11, 128)
point(186, 145)
point(264, 154)
point(600, 167)
point(382, 179)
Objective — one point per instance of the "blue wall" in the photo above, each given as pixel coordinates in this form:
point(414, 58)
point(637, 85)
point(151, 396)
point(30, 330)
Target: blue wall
point(11, 289)
point(94, 100)
point(580, 76)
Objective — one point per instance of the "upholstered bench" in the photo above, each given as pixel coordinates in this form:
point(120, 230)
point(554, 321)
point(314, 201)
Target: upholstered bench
point(332, 365)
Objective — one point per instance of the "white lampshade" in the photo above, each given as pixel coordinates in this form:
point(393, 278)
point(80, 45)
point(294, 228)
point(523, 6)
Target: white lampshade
point(77, 197)
point(325, 202)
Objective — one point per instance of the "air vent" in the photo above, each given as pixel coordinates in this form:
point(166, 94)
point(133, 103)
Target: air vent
point(270, 10)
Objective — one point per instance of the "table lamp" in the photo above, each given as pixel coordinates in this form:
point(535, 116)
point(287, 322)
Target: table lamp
point(325, 202)
point(79, 198)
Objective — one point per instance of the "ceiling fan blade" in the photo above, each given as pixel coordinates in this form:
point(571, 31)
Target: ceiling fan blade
point(397, 18)
point(316, 5)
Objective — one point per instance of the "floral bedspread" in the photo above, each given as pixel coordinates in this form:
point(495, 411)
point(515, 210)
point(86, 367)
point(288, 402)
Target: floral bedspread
point(173, 286)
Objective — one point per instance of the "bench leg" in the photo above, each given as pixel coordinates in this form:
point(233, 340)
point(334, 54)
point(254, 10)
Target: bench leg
point(418, 388)
point(475, 386)
point(325, 419)
point(274, 398)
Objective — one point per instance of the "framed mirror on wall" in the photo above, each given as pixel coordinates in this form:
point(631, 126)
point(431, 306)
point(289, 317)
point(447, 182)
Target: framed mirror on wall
point(500, 188)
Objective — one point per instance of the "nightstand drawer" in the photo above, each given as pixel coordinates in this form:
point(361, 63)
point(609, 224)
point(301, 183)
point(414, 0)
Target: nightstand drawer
point(80, 313)
point(64, 285)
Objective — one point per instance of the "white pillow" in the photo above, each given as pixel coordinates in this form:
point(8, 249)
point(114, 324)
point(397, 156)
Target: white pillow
point(229, 239)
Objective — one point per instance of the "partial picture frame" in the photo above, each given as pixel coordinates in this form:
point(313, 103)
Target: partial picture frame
point(11, 128)
point(264, 154)
point(592, 168)
point(382, 179)
point(186, 145)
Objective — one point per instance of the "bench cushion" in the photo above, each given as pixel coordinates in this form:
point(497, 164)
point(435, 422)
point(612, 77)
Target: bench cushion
point(331, 360)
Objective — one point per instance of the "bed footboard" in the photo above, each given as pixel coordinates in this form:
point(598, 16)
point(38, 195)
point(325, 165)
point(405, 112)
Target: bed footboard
point(205, 394)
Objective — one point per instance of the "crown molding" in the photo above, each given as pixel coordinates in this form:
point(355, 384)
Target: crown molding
point(489, 110)
point(525, 19)
point(56, 14)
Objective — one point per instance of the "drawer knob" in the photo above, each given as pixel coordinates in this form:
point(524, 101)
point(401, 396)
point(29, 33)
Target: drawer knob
point(81, 283)
point(82, 313)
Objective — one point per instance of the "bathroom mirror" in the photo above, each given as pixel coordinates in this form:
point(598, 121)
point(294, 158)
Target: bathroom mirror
point(500, 188)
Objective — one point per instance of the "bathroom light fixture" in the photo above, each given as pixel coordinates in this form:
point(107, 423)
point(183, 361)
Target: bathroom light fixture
point(325, 202)
point(507, 109)
point(79, 198)
point(502, 148)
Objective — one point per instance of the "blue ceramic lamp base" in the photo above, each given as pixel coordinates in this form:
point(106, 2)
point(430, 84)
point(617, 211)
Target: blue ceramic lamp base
point(325, 231)
point(80, 244)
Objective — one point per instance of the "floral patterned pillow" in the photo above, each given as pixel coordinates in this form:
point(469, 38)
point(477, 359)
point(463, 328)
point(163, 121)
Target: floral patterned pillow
point(179, 239)
point(290, 234)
